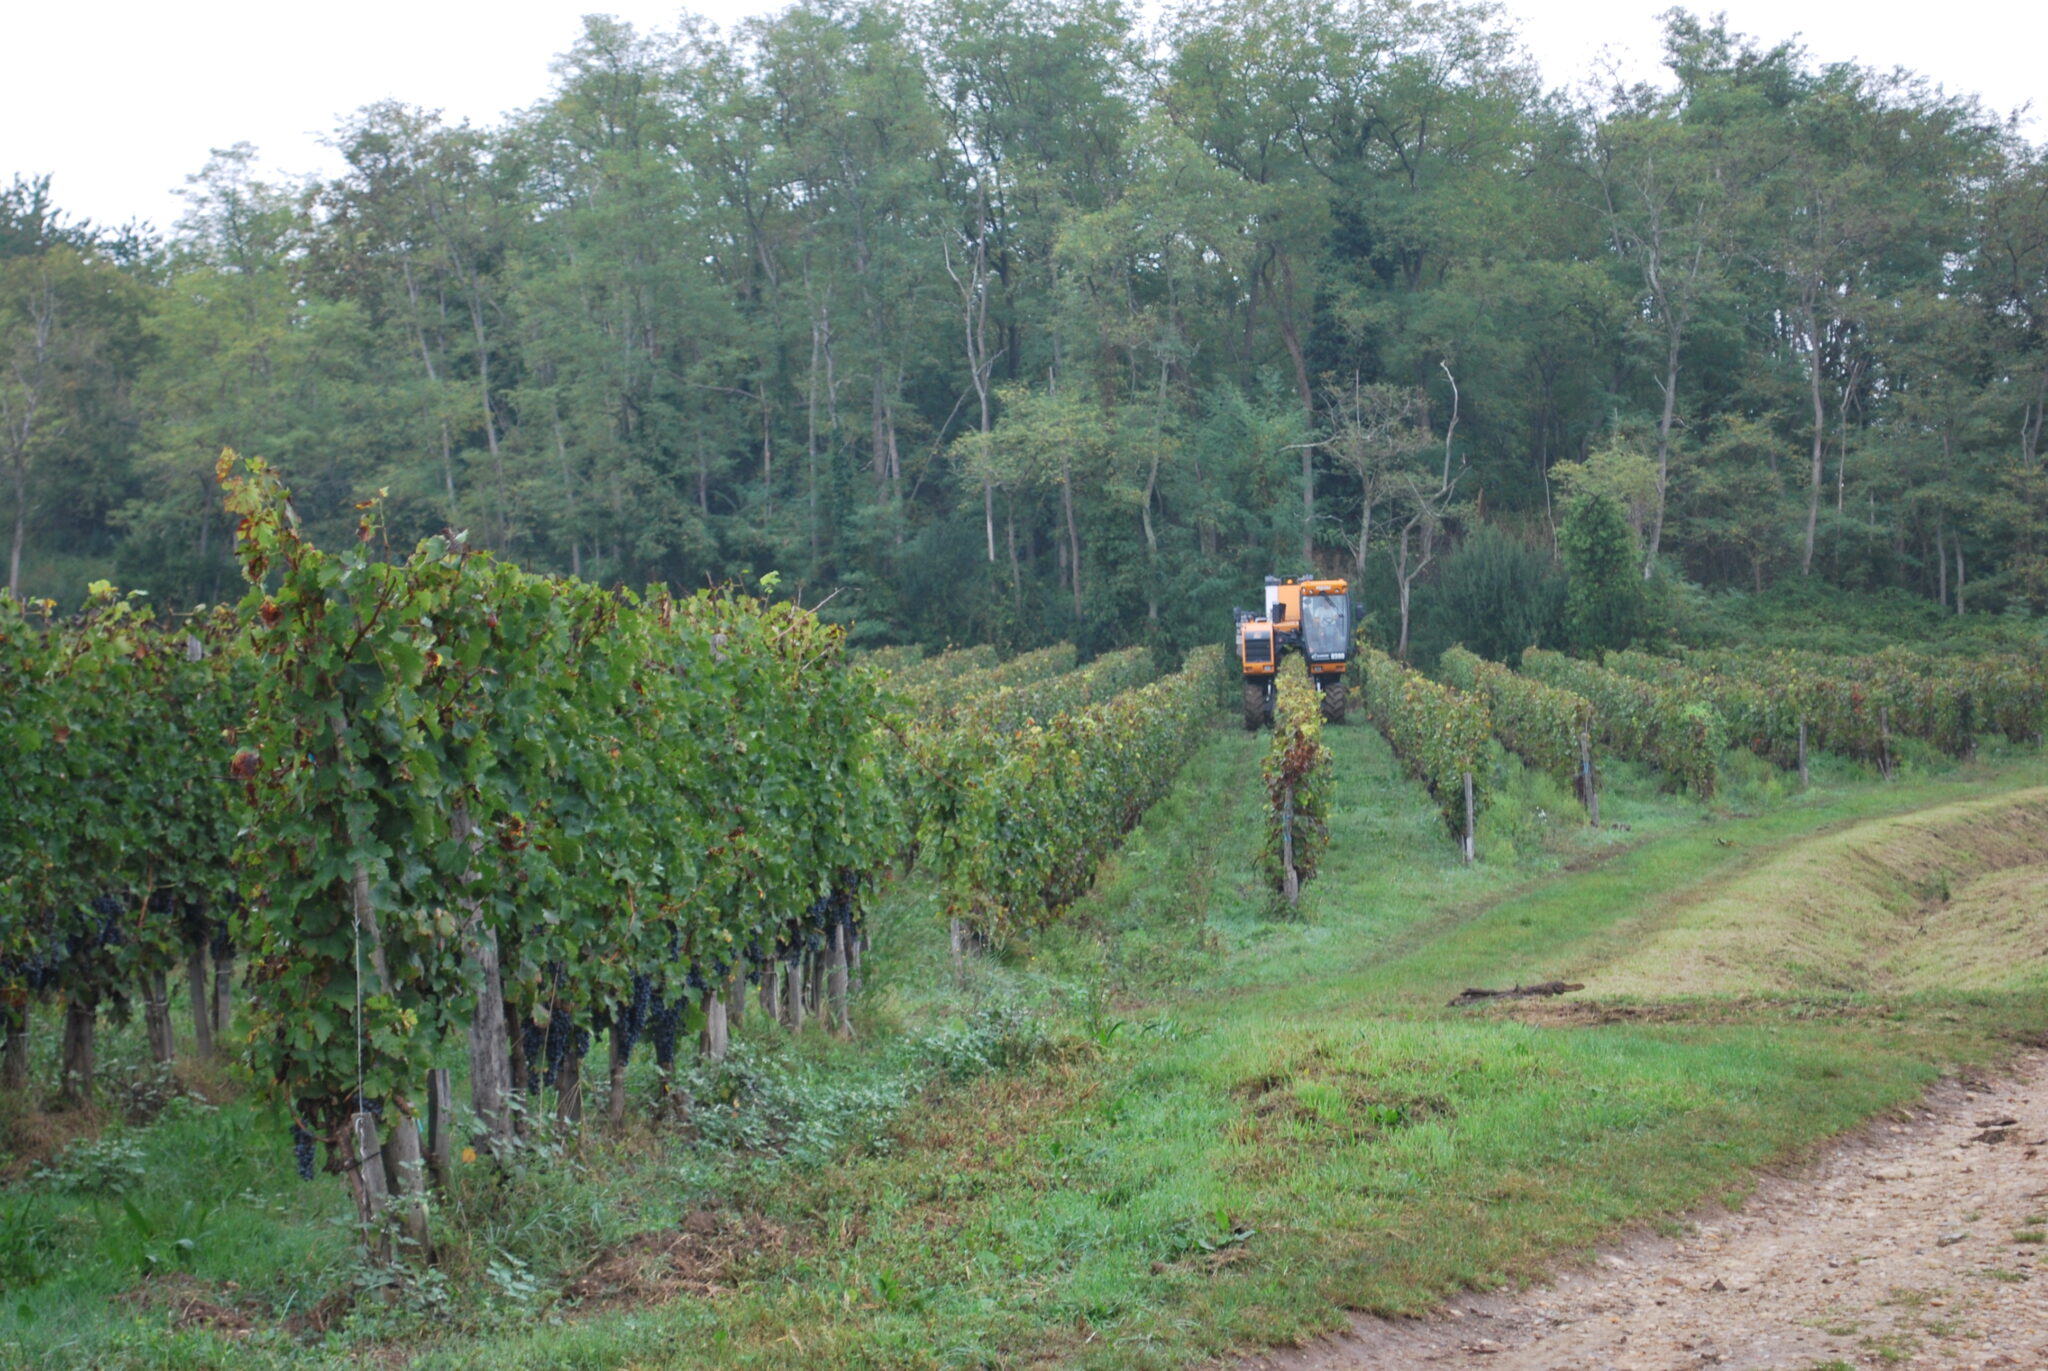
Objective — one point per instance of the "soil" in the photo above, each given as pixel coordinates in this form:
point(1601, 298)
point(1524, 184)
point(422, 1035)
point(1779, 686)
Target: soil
point(706, 1256)
point(1920, 1242)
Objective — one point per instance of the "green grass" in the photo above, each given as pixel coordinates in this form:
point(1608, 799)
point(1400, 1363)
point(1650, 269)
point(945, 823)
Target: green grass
point(1174, 1127)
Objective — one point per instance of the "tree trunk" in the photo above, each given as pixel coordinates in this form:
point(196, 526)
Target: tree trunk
point(483, 374)
point(1663, 452)
point(1940, 566)
point(735, 993)
point(81, 1018)
point(1819, 444)
point(1073, 535)
point(20, 528)
point(202, 1003)
point(1151, 541)
point(156, 1019)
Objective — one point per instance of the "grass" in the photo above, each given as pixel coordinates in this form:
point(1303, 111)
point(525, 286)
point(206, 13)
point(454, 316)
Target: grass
point(1169, 1129)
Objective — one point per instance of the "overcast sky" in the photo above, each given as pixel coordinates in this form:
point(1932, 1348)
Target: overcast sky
point(119, 101)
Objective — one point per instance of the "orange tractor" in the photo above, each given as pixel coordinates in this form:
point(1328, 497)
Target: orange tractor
point(1305, 615)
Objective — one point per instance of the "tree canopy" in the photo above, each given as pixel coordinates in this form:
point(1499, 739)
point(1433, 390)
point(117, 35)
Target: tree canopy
point(1005, 320)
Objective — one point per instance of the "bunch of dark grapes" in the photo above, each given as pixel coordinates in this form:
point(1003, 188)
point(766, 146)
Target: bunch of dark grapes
point(561, 1031)
point(102, 930)
point(754, 960)
point(631, 1018)
point(664, 1022)
point(693, 980)
point(302, 1152)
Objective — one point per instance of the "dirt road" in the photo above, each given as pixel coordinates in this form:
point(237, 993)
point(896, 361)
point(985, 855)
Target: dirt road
point(1919, 1243)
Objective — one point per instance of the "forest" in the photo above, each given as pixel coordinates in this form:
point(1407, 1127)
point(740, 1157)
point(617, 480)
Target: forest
point(1023, 321)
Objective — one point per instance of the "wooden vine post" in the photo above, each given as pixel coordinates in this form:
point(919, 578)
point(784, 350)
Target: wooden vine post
point(1589, 784)
point(1471, 822)
point(1290, 878)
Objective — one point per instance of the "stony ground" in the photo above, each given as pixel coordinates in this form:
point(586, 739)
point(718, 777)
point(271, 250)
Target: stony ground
point(1919, 1243)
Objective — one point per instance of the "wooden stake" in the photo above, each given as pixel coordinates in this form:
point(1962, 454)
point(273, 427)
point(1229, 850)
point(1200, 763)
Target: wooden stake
point(615, 1101)
point(492, 1078)
point(569, 1089)
point(711, 1044)
point(1589, 784)
point(223, 994)
point(14, 1056)
point(1290, 879)
point(1802, 754)
point(364, 1171)
point(80, 1021)
point(202, 1003)
point(156, 1018)
point(440, 1127)
point(1471, 821)
point(837, 982)
point(405, 1176)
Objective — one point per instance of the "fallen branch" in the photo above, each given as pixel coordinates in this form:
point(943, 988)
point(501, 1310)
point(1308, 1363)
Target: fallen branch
point(1475, 996)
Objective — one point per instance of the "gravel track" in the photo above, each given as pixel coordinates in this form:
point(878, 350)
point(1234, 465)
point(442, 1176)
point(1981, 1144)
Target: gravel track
point(1918, 1242)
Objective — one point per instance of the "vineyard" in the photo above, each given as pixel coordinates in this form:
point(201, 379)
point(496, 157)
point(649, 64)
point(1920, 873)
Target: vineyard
point(398, 821)
point(463, 885)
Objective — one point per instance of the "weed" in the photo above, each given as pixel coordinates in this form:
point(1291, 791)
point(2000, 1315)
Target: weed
point(162, 1237)
point(27, 1243)
point(110, 1164)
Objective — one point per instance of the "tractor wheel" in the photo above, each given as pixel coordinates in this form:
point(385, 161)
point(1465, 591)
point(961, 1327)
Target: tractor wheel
point(1336, 699)
point(1254, 706)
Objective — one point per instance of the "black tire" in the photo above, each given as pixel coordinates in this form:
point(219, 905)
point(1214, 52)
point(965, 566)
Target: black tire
point(1254, 706)
point(1336, 700)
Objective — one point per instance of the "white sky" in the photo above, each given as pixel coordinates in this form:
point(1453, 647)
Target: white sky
point(120, 101)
